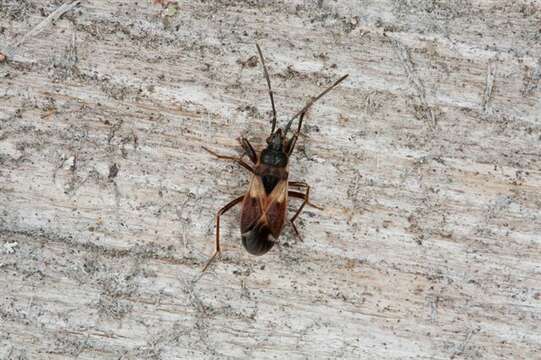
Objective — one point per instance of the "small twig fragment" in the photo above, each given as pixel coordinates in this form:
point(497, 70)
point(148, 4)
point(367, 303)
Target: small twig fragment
point(489, 85)
point(414, 80)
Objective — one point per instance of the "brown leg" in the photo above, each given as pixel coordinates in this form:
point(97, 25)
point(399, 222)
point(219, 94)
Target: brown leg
point(292, 220)
point(304, 197)
point(248, 149)
point(236, 159)
point(302, 184)
point(220, 213)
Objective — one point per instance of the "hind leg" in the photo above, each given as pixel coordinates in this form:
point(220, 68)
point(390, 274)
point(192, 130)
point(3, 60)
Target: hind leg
point(222, 211)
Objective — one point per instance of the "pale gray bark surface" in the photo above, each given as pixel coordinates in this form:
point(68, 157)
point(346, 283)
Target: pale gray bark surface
point(426, 160)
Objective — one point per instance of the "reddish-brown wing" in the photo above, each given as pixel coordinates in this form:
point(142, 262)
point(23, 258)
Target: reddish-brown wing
point(262, 216)
point(276, 208)
point(270, 209)
point(252, 204)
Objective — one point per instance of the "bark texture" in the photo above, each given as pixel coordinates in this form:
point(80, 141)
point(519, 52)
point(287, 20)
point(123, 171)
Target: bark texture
point(427, 161)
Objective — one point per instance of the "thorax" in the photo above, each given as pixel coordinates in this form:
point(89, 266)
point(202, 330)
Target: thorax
point(271, 175)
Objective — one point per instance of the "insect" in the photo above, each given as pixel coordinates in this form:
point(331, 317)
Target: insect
point(264, 205)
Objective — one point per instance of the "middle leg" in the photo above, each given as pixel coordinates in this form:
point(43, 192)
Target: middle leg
point(306, 201)
point(304, 197)
point(304, 185)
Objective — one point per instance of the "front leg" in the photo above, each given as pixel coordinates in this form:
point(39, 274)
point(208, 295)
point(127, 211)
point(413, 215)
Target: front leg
point(238, 160)
point(248, 149)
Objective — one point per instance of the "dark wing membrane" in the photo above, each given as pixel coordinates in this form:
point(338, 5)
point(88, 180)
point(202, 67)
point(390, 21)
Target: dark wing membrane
point(257, 240)
point(276, 208)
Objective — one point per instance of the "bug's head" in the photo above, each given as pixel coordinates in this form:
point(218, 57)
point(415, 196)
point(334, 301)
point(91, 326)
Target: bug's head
point(274, 154)
point(275, 141)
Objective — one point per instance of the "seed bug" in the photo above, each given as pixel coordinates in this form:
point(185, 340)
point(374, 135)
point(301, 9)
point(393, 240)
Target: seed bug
point(264, 205)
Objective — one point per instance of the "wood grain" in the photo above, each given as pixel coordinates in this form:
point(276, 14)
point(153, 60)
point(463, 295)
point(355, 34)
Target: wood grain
point(426, 161)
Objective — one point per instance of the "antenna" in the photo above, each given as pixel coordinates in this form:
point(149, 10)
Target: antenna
point(311, 102)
